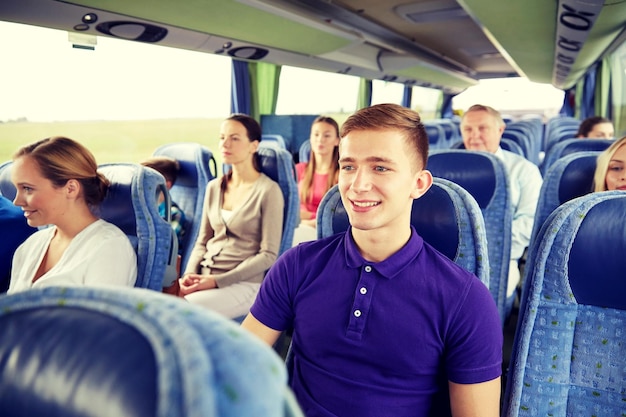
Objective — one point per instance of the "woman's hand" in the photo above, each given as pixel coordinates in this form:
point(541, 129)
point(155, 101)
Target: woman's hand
point(195, 282)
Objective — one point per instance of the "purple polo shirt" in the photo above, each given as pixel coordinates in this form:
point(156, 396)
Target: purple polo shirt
point(379, 339)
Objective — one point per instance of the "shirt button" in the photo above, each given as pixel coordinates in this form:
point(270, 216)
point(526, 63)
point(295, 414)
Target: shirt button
point(363, 290)
point(368, 268)
point(357, 313)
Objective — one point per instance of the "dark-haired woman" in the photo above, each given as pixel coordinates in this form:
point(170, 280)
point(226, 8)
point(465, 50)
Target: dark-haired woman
point(241, 227)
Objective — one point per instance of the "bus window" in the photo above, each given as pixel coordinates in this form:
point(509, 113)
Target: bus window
point(306, 91)
point(95, 95)
point(386, 92)
point(514, 97)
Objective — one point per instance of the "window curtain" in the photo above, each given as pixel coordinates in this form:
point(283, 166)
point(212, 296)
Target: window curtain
point(365, 94)
point(264, 81)
point(603, 89)
point(618, 90)
point(585, 94)
point(569, 103)
point(240, 88)
point(407, 95)
point(446, 106)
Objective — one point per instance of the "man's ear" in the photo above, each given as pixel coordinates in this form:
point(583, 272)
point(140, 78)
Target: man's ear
point(423, 181)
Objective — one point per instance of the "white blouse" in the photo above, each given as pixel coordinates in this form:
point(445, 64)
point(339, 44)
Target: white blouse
point(100, 255)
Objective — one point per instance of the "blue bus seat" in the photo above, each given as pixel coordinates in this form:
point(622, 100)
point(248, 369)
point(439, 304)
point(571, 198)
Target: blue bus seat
point(69, 352)
point(131, 204)
point(278, 164)
point(294, 128)
point(569, 355)
point(506, 144)
point(520, 139)
point(274, 139)
point(446, 216)
point(197, 168)
point(569, 177)
point(485, 177)
point(7, 189)
point(569, 146)
point(304, 153)
point(436, 135)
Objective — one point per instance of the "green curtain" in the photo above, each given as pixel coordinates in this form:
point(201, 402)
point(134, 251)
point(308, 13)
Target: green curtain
point(578, 97)
point(618, 68)
point(603, 86)
point(365, 94)
point(264, 81)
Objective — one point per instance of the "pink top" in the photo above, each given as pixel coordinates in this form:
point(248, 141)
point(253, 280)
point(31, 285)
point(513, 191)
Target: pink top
point(319, 188)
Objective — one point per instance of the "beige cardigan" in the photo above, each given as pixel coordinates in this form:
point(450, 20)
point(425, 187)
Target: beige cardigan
point(245, 246)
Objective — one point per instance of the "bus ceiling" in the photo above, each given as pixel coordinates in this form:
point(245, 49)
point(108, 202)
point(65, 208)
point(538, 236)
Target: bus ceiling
point(444, 44)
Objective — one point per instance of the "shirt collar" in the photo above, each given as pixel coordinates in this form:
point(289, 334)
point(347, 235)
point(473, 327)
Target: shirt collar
point(390, 266)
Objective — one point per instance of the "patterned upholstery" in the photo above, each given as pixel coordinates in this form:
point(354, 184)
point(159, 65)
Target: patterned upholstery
point(131, 204)
point(446, 216)
point(197, 168)
point(568, 178)
point(569, 146)
point(569, 351)
point(134, 353)
point(484, 176)
point(278, 164)
point(7, 189)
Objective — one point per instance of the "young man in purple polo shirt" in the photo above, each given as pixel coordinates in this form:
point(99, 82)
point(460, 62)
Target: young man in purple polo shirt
point(383, 324)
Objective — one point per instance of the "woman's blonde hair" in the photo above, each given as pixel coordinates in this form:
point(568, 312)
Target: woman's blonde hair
point(602, 164)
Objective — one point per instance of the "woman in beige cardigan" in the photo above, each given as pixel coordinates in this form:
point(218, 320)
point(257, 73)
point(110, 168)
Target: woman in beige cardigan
point(241, 227)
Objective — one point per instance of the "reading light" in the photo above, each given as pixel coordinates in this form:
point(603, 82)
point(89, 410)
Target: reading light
point(90, 18)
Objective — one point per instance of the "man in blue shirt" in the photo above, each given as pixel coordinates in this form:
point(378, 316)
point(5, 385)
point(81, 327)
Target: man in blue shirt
point(15, 230)
point(383, 324)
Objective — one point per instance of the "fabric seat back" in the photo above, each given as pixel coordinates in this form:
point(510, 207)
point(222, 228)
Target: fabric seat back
point(104, 352)
point(484, 176)
point(131, 204)
point(197, 168)
point(569, 353)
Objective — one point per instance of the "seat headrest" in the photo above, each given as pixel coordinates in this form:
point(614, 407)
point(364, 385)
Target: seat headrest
point(7, 189)
point(71, 361)
point(434, 218)
point(191, 157)
point(117, 207)
point(577, 178)
point(268, 158)
point(578, 145)
point(597, 259)
point(433, 215)
point(473, 171)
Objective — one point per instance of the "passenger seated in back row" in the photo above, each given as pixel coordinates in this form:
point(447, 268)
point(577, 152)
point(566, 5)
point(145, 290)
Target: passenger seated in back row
point(58, 184)
point(318, 175)
point(482, 128)
point(596, 127)
point(169, 167)
point(241, 229)
point(383, 324)
point(611, 168)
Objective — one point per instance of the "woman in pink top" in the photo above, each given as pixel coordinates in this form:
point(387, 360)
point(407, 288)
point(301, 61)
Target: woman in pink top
point(317, 176)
